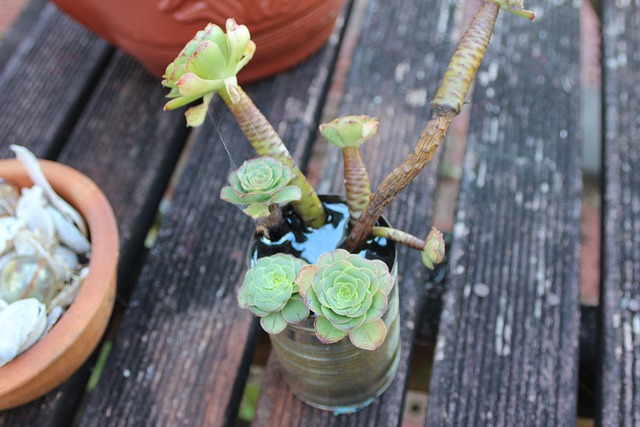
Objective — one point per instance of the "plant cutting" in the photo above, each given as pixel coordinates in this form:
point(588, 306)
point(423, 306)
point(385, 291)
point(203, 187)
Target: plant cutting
point(57, 279)
point(322, 276)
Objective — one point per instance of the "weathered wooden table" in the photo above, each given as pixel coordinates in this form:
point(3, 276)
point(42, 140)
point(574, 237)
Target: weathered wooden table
point(178, 349)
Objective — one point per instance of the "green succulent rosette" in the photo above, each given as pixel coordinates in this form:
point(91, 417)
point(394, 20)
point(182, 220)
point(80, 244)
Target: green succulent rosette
point(269, 290)
point(349, 131)
point(349, 294)
point(433, 252)
point(260, 183)
point(208, 63)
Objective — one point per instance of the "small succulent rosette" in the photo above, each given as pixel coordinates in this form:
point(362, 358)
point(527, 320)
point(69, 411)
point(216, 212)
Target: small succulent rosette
point(208, 63)
point(434, 248)
point(260, 183)
point(349, 131)
point(350, 295)
point(269, 290)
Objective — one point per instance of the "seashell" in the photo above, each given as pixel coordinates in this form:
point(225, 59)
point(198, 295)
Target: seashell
point(68, 233)
point(9, 228)
point(30, 162)
point(22, 324)
point(67, 258)
point(31, 208)
point(26, 276)
point(69, 292)
point(9, 194)
point(54, 315)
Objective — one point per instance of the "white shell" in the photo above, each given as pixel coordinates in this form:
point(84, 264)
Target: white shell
point(30, 163)
point(9, 227)
point(22, 323)
point(69, 292)
point(68, 233)
point(54, 315)
point(67, 258)
point(31, 208)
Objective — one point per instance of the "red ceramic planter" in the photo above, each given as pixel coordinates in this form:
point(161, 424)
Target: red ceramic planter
point(76, 334)
point(154, 31)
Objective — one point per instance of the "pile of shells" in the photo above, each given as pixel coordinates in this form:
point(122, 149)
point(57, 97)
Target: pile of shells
point(44, 253)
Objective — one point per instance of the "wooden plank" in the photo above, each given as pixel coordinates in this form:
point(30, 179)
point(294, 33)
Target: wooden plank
point(184, 346)
point(402, 50)
point(619, 389)
point(507, 349)
point(46, 82)
point(128, 145)
point(19, 30)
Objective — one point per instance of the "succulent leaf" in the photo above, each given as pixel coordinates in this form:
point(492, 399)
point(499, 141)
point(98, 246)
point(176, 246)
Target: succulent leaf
point(273, 323)
point(433, 251)
point(369, 336)
point(207, 64)
point(349, 131)
point(346, 292)
point(295, 311)
point(269, 290)
point(378, 306)
point(198, 113)
point(326, 332)
point(259, 183)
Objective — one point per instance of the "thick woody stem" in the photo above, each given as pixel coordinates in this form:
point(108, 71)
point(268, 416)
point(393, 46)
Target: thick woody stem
point(445, 106)
point(401, 176)
point(356, 182)
point(399, 236)
point(466, 59)
point(266, 141)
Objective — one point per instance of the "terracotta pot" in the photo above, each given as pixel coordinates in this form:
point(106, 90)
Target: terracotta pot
point(76, 334)
point(154, 31)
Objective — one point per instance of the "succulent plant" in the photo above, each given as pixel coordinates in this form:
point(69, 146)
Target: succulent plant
point(433, 251)
point(432, 248)
point(349, 133)
point(258, 184)
point(349, 295)
point(269, 290)
point(208, 63)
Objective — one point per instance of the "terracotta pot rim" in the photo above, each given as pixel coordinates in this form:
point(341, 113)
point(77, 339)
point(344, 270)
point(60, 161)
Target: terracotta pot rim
point(97, 290)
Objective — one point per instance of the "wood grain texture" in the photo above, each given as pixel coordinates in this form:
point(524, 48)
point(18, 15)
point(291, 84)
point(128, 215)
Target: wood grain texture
point(19, 30)
point(510, 357)
point(127, 144)
point(46, 82)
point(620, 284)
point(401, 53)
point(184, 346)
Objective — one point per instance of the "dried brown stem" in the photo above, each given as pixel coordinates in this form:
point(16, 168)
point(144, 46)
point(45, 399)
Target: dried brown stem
point(401, 176)
point(446, 105)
